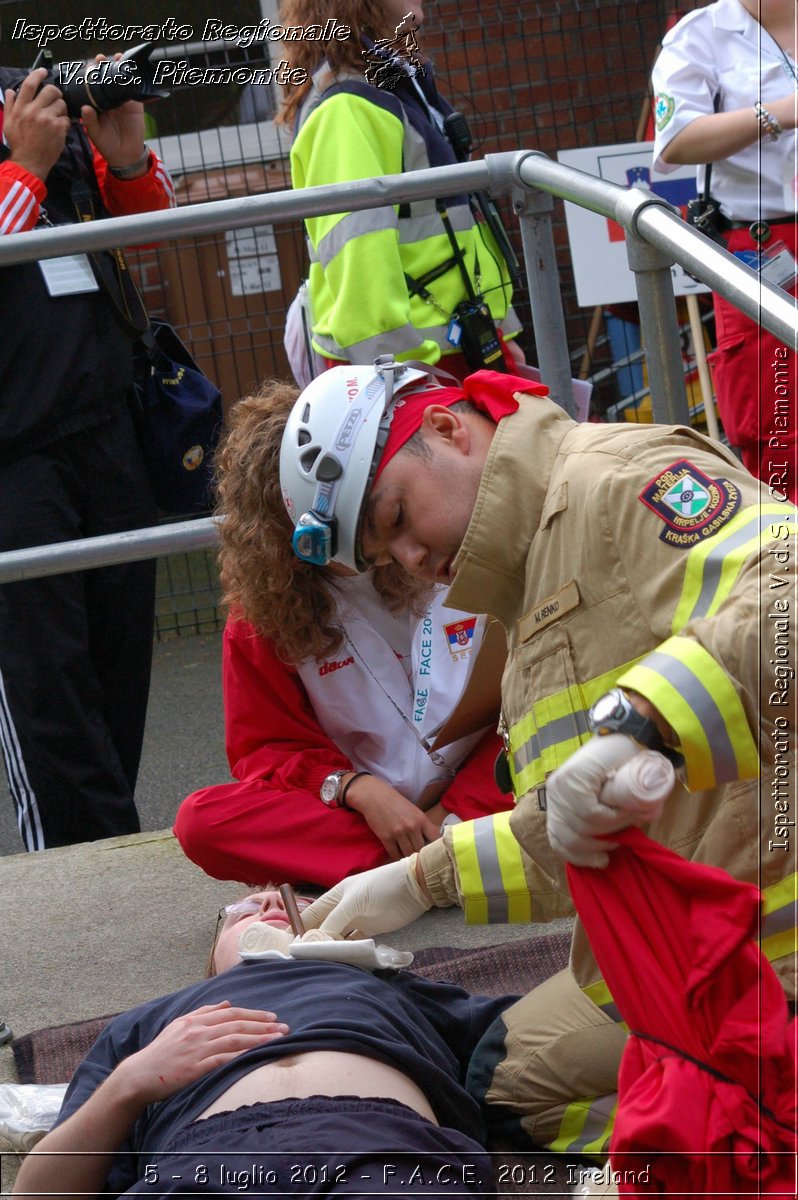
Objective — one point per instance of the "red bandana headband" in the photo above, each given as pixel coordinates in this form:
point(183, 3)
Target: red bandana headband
point(491, 393)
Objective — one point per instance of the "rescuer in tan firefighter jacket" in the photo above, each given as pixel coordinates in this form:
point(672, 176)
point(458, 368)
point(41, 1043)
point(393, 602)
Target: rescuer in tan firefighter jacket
point(646, 583)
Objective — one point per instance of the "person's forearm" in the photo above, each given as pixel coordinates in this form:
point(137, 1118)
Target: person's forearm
point(75, 1158)
point(719, 135)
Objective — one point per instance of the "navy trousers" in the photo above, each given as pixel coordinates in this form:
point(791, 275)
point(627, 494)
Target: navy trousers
point(76, 649)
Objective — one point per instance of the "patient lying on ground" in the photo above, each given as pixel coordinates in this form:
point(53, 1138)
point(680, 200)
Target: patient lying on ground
point(319, 1072)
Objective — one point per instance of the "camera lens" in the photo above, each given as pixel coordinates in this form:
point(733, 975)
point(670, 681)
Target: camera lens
point(108, 84)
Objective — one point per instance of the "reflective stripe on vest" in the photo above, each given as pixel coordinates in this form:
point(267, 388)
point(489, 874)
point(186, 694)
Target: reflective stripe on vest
point(553, 729)
point(410, 230)
point(403, 338)
point(557, 725)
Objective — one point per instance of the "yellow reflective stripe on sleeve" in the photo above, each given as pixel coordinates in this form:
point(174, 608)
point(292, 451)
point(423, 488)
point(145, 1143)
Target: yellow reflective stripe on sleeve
point(699, 701)
point(475, 903)
point(510, 863)
point(553, 729)
point(713, 566)
point(490, 867)
point(779, 918)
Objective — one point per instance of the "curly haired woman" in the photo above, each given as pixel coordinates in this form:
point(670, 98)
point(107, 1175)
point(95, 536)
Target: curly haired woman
point(331, 684)
point(386, 279)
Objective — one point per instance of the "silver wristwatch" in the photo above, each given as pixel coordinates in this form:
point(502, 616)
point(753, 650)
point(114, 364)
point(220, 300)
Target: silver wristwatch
point(615, 713)
point(331, 789)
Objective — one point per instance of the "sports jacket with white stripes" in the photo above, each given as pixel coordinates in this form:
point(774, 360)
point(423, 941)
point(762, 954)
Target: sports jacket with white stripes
point(65, 365)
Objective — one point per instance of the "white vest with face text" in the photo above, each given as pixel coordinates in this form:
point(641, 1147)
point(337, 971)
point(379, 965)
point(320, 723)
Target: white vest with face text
point(392, 684)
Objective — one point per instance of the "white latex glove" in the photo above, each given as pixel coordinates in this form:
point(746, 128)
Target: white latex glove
point(373, 902)
point(593, 794)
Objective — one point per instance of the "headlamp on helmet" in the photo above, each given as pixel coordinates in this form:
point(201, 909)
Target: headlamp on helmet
point(313, 540)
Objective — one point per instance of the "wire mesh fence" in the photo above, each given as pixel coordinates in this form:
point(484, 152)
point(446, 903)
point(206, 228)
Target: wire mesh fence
point(187, 596)
point(551, 76)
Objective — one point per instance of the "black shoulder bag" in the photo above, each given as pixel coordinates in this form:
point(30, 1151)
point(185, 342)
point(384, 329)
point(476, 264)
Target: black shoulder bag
point(177, 410)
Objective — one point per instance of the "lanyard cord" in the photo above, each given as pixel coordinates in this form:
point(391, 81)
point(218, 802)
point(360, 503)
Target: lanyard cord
point(110, 267)
point(437, 758)
point(790, 66)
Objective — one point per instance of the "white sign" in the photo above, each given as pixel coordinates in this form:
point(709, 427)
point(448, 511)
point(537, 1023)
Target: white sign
point(598, 248)
point(252, 260)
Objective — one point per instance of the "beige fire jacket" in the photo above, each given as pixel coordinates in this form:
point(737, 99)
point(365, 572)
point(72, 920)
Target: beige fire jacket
point(645, 556)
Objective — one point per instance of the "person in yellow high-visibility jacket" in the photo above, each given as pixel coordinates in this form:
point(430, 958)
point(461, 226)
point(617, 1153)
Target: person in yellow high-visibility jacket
point(385, 279)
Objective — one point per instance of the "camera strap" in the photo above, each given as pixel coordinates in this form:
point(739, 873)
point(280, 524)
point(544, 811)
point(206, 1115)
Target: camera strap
point(110, 267)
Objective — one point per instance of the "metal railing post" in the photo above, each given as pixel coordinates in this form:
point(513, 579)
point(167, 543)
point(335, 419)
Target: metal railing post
point(533, 209)
point(659, 330)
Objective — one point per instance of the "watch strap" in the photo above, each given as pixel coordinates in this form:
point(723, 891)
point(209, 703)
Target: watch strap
point(347, 786)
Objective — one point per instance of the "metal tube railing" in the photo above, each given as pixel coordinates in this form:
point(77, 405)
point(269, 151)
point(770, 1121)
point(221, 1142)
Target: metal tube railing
point(654, 220)
point(34, 562)
point(636, 209)
point(651, 223)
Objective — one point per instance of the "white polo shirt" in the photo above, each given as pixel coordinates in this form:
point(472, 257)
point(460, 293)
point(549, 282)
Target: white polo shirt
point(722, 51)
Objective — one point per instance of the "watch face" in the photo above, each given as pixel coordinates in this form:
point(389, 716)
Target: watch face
point(331, 787)
point(606, 708)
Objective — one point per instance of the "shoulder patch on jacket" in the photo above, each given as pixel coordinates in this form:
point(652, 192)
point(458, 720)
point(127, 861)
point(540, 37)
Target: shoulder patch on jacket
point(692, 505)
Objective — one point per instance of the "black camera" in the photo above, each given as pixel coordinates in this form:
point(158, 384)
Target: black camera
point(107, 84)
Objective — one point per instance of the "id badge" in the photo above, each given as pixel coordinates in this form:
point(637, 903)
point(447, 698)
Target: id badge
point(778, 266)
point(774, 263)
point(68, 276)
point(455, 332)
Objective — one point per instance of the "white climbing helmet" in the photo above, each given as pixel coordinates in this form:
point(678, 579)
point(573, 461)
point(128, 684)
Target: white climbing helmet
point(331, 449)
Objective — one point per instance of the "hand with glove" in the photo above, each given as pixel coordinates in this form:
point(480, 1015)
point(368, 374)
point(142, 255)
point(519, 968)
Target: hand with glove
point(373, 902)
point(606, 785)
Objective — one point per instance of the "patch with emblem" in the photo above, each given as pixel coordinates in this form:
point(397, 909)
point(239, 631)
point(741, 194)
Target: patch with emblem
point(460, 636)
point(692, 505)
point(663, 109)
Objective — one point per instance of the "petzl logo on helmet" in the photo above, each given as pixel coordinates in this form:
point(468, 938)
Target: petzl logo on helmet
point(346, 435)
point(692, 505)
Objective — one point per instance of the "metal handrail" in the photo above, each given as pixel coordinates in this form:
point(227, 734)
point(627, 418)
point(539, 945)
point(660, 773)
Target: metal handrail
point(34, 562)
point(637, 209)
point(656, 236)
point(661, 225)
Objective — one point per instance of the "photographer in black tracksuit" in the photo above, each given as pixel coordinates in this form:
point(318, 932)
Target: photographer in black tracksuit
point(75, 649)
